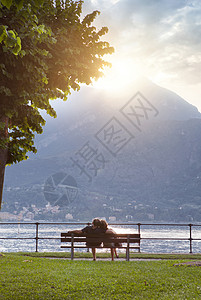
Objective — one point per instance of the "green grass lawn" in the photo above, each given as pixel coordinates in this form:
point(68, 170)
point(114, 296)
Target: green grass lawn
point(106, 254)
point(27, 277)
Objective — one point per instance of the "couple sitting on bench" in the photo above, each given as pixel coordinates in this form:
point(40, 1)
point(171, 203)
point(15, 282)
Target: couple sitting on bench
point(98, 227)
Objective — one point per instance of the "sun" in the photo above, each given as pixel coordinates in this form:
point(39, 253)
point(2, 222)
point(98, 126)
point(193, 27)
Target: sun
point(123, 73)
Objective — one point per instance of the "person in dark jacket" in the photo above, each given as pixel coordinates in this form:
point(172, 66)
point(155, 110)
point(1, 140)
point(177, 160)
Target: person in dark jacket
point(94, 228)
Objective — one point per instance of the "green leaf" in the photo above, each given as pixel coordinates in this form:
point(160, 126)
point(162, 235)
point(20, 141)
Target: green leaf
point(41, 29)
point(39, 2)
point(19, 4)
point(7, 3)
point(22, 53)
point(11, 39)
point(16, 49)
point(2, 33)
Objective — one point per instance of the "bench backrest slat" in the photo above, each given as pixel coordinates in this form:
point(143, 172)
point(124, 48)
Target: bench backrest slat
point(106, 238)
point(132, 235)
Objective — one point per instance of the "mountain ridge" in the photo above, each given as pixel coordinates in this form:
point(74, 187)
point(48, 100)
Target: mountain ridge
point(156, 166)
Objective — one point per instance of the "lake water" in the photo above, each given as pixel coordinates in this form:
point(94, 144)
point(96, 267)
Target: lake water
point(149, 233)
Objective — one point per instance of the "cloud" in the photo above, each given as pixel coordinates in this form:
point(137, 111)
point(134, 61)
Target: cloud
point(164, 35)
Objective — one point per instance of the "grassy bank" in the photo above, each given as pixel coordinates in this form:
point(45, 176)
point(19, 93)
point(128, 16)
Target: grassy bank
point(101, 255)
point(26, 277)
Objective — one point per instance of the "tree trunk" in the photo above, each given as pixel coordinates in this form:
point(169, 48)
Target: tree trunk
point(3, 153)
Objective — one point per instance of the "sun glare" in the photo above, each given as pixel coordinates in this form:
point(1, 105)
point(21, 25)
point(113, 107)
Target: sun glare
point(121, 74)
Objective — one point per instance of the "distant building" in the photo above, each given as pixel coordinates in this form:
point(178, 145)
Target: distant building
point(112, 219)
point(69, 217)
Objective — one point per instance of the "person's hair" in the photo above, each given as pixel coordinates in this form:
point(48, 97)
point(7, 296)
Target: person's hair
point(103, 224)
point(96, 222)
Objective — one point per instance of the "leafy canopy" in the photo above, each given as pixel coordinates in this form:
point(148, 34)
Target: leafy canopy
point(46, 50)
point(9, 37)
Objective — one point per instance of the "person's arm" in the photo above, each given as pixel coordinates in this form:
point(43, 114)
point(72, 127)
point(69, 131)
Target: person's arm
point(75, 231)
point(110, 231)
point(80, 231)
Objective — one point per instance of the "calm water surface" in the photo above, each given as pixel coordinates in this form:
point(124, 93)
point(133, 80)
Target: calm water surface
point(53, 232)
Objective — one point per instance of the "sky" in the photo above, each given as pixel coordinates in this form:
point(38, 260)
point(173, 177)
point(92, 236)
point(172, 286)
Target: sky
point(156, 39)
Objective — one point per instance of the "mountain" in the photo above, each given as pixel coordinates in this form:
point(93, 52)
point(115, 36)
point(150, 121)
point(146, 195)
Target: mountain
point(132, 155)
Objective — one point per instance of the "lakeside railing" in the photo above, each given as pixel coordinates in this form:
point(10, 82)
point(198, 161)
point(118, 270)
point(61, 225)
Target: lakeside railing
point(137, 226)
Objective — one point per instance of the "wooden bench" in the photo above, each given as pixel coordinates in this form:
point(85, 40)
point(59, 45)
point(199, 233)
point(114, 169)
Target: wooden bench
point(125, 241)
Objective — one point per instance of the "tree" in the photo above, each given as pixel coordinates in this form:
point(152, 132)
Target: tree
point(58, 51)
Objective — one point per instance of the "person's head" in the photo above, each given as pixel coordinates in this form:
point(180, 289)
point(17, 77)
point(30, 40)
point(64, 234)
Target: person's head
point(103, 224)
point(96, 222)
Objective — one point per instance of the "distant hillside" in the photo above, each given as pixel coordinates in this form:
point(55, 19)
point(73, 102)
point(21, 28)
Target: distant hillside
point(133, 158)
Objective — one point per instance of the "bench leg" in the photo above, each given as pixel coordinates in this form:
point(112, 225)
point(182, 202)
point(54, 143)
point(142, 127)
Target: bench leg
point(127, 253)
point(72, 247)
point(127, 249)
point(72, 253)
